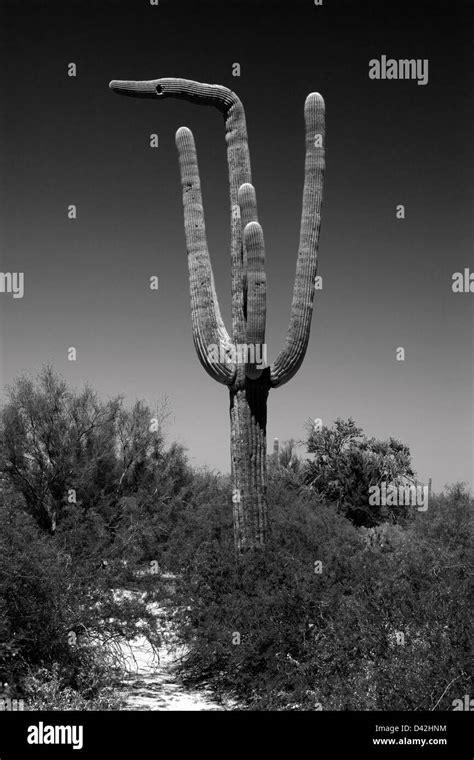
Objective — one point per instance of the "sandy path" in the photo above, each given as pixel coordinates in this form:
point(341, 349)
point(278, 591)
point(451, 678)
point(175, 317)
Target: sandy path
point(151, 682)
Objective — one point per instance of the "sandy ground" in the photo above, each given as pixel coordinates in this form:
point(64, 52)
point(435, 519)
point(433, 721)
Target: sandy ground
point(151, 682)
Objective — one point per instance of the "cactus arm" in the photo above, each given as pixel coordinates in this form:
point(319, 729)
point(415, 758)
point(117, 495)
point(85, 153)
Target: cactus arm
point(207, 324)
point(256, 297)
point(291, 357)
point(247, 200)
point(253, 278)
point(175, 87)
point(238, 159)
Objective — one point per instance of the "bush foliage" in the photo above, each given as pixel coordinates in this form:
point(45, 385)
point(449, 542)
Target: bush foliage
point(346, 463)
point(381, 623)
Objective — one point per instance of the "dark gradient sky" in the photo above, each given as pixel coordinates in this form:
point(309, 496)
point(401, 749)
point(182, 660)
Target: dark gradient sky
point(387, 282)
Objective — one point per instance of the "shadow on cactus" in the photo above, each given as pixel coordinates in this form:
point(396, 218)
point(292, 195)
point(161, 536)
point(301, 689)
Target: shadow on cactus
point(240, 362)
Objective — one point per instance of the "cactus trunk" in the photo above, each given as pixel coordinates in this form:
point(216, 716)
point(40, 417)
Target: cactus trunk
point(248, 423)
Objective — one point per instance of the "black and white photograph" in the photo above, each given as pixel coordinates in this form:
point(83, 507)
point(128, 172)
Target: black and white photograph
point(236, 376)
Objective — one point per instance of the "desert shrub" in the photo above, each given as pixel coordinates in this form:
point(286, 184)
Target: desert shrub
point(46, 690)
point(59, 612)
point(270, 629)
point(60, 447)
point(89, 492)
point(203, 515)
point(346, 463)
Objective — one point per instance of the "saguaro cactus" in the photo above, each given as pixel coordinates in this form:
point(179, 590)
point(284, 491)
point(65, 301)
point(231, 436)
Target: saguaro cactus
point(240, 363)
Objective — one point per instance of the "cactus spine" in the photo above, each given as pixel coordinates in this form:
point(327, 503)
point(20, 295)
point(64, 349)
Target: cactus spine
point(236, 362)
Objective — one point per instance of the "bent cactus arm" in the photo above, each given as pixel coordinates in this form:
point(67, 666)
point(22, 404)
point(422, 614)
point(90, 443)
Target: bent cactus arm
point(238, 159)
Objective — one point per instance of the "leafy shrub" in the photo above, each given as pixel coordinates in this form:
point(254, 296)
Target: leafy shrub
point(61, 447)
point(55, 601)
point(273, 631)
point(346, 464)
point(46, 690)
